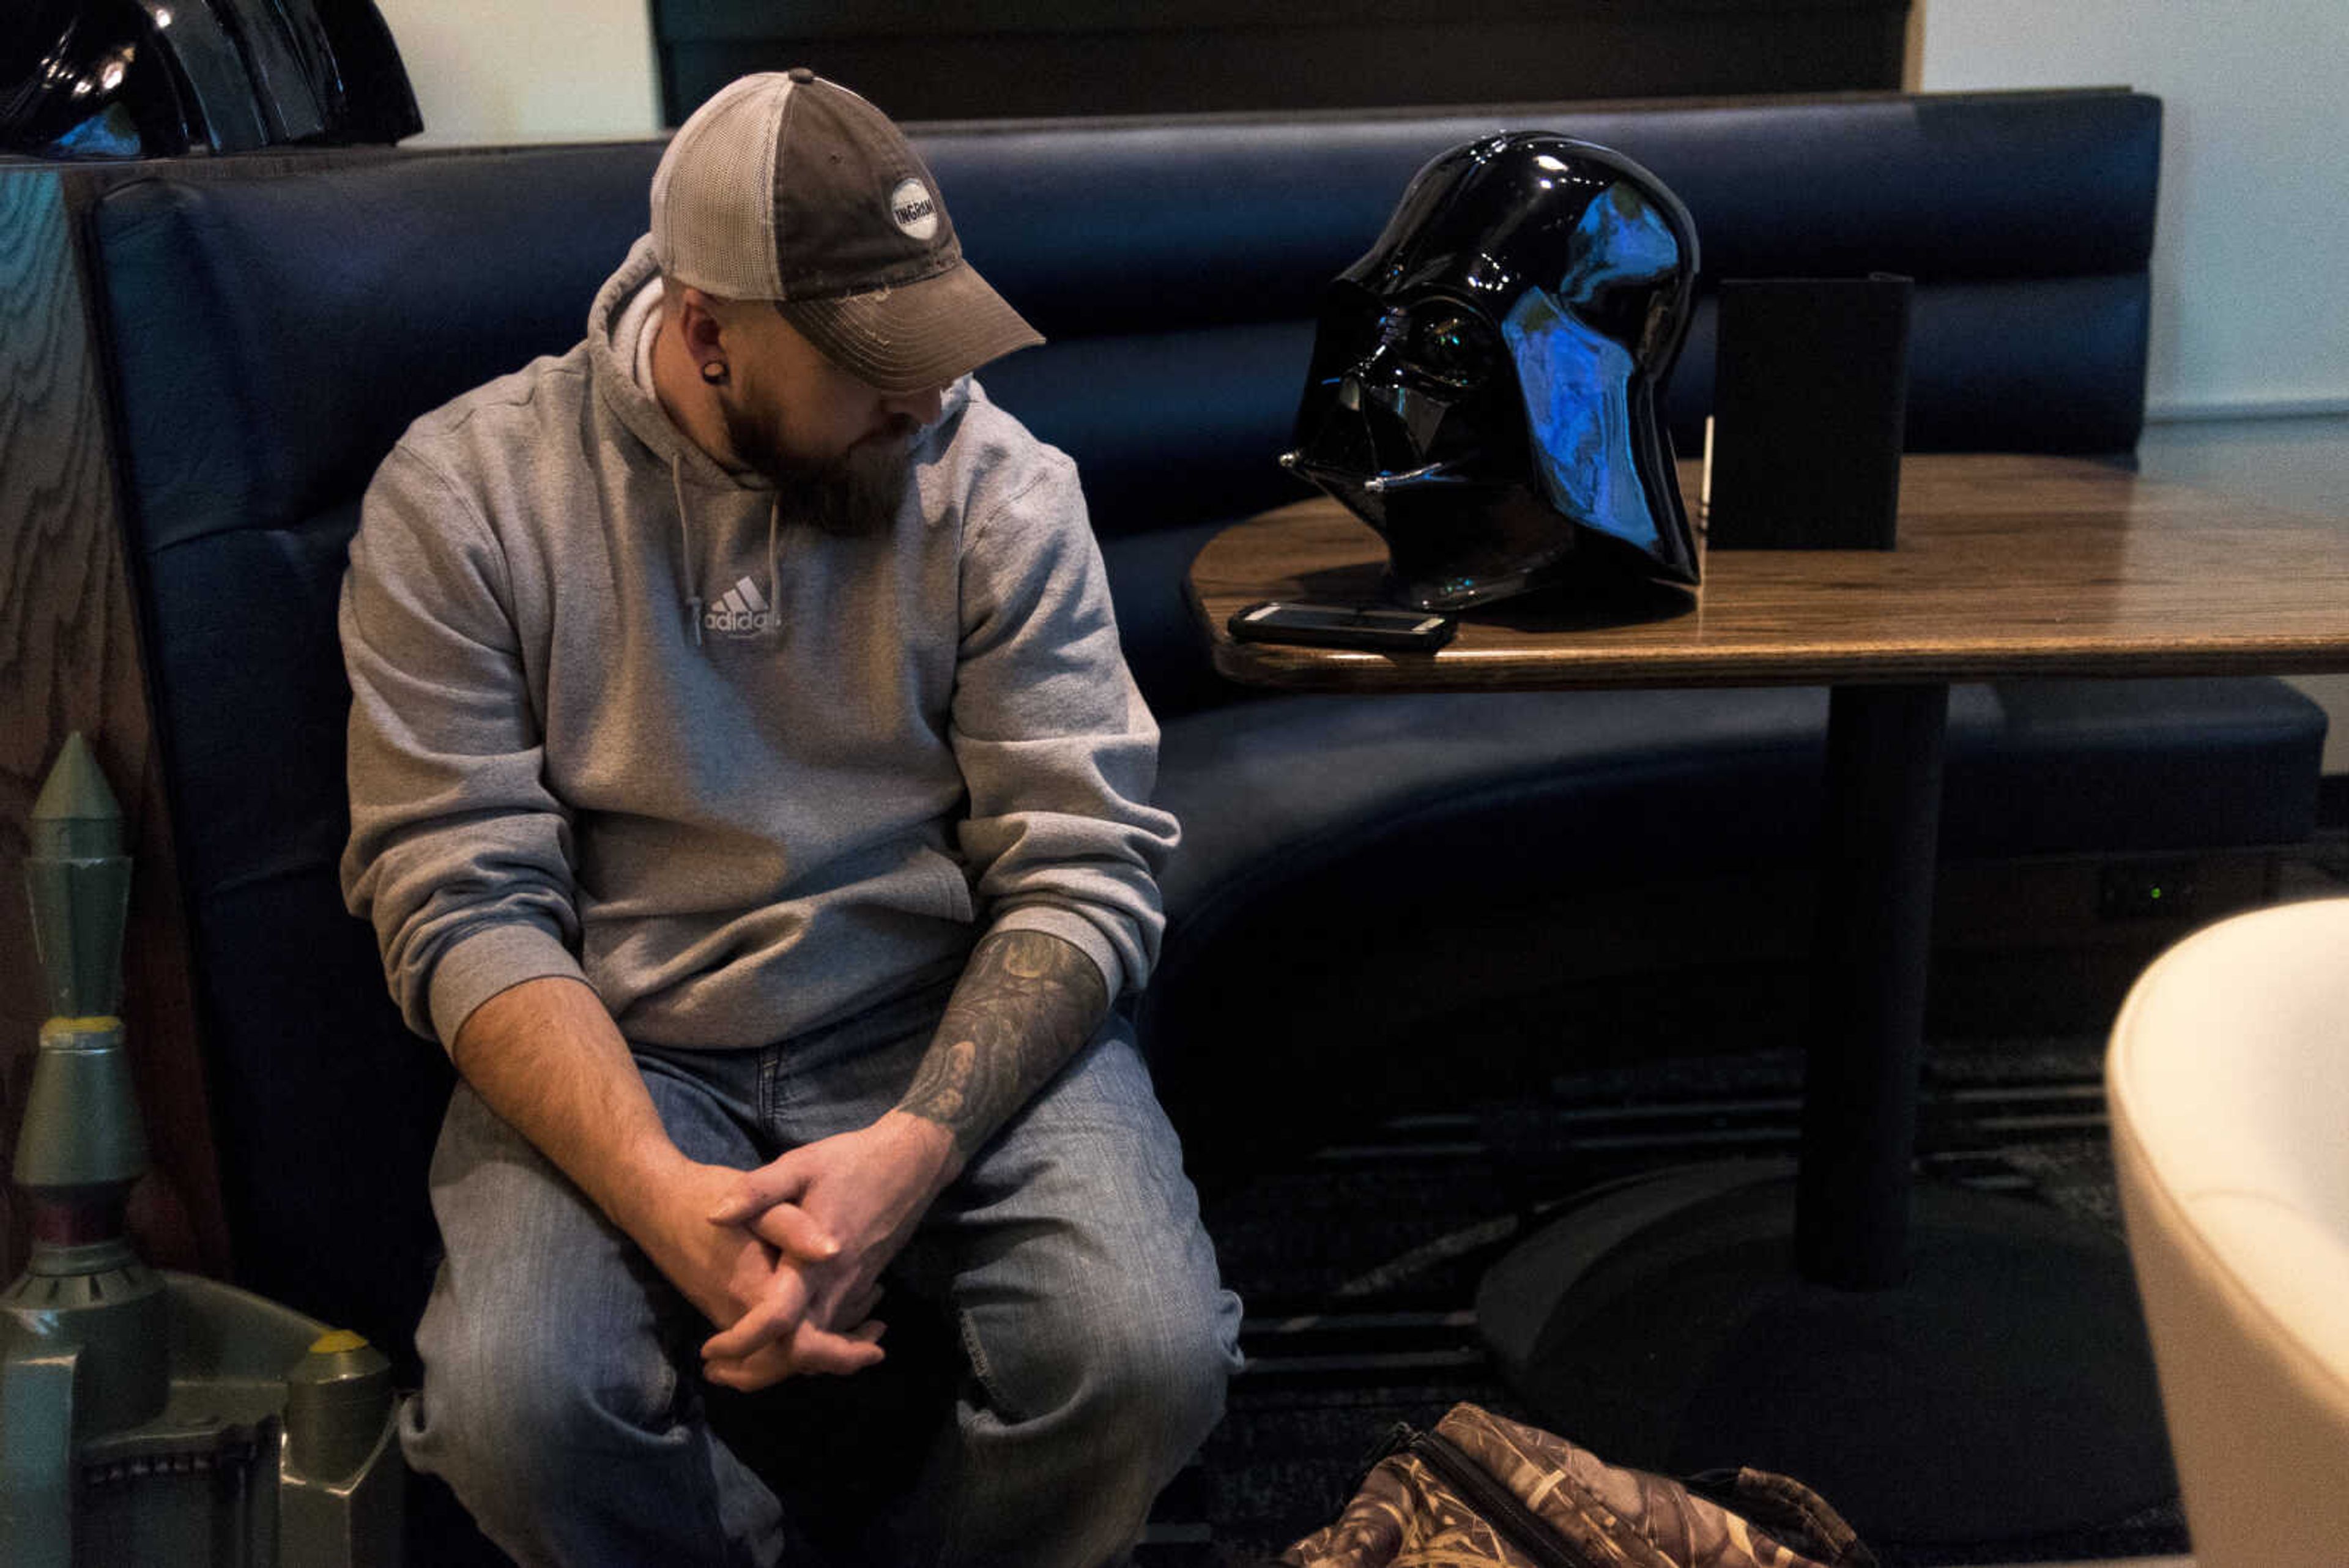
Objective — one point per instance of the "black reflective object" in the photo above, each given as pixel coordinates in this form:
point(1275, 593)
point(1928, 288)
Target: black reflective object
point(1484, 383)
point(155, 78)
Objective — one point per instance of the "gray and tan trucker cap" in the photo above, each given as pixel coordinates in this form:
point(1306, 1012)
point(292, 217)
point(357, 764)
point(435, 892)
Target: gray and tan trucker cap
point(788, 187)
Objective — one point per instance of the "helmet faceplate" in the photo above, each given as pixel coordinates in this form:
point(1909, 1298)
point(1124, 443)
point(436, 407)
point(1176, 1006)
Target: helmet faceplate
point(1485, 381)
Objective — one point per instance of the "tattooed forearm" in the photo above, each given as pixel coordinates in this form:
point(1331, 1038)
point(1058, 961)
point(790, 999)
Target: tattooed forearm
point(1024, 1005)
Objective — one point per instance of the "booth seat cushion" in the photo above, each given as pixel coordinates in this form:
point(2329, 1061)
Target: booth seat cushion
point(1469, 795)
point(1621, 784)
point(1360, 878)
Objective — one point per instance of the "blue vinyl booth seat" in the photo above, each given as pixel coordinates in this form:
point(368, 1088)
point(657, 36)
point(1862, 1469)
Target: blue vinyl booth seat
point(273, 330)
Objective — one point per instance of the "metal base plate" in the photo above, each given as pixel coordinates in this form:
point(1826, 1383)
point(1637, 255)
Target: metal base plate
point(2006, 1389)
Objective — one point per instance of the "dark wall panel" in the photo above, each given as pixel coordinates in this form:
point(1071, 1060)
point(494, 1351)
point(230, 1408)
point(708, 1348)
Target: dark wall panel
point(1045, 58)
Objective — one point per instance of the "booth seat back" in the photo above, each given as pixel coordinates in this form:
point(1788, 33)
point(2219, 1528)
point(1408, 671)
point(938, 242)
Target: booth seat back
point(272, 331)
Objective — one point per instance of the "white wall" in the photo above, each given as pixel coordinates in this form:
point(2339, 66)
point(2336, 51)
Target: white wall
point(2251, 267)
point(527, 70)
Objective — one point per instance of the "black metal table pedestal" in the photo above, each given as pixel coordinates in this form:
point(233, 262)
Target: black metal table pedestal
point(1942, 1365)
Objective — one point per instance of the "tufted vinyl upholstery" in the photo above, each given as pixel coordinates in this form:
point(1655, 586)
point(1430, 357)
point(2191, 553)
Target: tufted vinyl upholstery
point(272, 334)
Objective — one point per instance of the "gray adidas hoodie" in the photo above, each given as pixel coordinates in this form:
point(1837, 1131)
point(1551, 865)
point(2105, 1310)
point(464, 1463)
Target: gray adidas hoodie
point(613, 717)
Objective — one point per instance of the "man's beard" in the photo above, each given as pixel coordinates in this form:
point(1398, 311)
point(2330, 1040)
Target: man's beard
point(852, 495)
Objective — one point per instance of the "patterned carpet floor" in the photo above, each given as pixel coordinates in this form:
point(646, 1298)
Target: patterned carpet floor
point(1359, 1263)
point(1359, 1266)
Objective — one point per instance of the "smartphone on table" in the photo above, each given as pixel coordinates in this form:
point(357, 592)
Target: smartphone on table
point(1370, 627)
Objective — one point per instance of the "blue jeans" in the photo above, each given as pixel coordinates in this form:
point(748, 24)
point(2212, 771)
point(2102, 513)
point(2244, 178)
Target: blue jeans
point(561, 1398)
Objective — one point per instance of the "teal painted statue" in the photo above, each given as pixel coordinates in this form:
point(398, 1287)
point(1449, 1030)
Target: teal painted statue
point(148, 1418)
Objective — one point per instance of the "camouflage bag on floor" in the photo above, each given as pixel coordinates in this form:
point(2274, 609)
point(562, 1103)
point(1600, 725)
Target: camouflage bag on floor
point(1480, 1489)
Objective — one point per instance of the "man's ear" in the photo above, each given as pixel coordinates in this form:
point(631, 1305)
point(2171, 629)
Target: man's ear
point(698, 324)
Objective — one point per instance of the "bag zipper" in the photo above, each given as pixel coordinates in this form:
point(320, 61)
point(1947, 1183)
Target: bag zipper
point(1525, 1529)
point(1785, 1508)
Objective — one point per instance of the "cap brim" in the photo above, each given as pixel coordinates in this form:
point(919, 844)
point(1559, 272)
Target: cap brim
point(916, 336)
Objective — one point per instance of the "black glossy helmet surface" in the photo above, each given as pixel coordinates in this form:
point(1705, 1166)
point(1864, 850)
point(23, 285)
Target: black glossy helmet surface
point(1486, 380)
point(156, 78)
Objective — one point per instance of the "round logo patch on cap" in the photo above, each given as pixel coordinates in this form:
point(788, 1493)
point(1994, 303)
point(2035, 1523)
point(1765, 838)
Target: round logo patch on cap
point(914, 210)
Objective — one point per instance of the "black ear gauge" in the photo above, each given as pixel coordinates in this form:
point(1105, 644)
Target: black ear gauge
point(715, 373)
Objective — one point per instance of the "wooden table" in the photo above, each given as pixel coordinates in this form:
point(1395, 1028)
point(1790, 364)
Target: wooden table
point(2006, 567)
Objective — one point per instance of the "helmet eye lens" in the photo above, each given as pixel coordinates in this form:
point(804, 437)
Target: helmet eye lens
point(1452, 346)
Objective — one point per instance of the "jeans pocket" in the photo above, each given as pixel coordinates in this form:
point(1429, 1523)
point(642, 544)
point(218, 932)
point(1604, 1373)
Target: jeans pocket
point(982, 1372)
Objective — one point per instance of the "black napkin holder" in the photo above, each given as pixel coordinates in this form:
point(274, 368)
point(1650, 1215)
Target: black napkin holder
point(1810, 395)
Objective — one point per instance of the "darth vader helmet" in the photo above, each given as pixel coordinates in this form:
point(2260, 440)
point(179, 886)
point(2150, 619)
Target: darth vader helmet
point(157, 78)
point(1484, 381)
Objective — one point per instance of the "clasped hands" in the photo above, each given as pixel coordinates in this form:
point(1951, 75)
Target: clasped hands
point(786, 1259)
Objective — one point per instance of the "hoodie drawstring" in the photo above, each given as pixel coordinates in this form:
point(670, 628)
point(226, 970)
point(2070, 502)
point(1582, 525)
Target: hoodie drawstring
point(684, 546)
point(774, 578)
point(684, 552)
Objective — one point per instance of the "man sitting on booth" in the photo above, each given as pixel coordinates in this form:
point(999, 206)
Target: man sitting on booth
point(748, 790)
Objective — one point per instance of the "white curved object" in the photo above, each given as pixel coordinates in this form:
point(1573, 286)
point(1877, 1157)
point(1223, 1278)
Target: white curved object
point(2229, 1080)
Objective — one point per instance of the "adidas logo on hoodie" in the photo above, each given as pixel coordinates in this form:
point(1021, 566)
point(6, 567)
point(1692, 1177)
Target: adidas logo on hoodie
point(742, 611)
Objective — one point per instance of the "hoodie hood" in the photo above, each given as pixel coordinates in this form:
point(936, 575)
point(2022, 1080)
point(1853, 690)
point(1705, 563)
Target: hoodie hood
point(615, 382)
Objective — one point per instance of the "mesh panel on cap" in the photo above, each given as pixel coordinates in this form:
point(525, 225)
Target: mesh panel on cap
point(713, 208)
